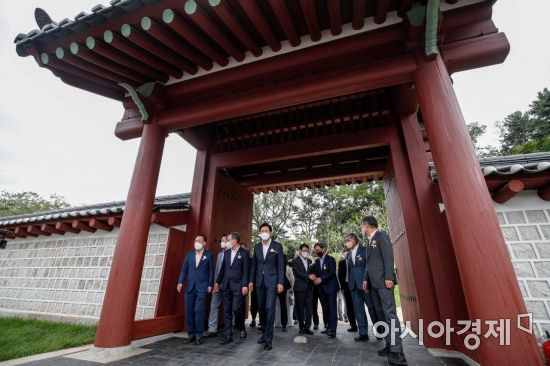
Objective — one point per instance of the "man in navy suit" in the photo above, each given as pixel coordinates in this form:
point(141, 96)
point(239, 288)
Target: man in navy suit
point(357, 263)
point(198, 270)
point(380, 279)
point(267, 278)
point(233, 282)
point(325, 276)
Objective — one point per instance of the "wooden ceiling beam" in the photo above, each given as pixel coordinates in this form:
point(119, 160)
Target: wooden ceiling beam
point(120, 58)
point(66, 227)
point(83, 226)
point(358, 20)
point(335, 16)
point(114, 221)
point(381, 11)
point(96, 59)
point(150, 45)
point(544, 192)
point(35, 231)
point(101, 225)
point(178, 25)
point(130, 49)
point(203, 20)
point(310, 15)
point(20, 232)
point(260, 22)
point(285, 21)
point(48, 228)
point(226, 14)
point(404, 7)
point(509, 190)
point(169, 40)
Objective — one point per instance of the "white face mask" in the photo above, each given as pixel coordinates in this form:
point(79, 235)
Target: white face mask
point(265, 236)
point(304, 254)
point(223, 244)
point(349, 244)
point(198, 245)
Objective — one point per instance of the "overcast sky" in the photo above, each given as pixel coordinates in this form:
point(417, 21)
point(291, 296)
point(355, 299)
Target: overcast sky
point(58, 139)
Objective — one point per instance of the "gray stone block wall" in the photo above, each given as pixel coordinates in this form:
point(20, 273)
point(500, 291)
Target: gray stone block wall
point(64, 277)
point(525, 223)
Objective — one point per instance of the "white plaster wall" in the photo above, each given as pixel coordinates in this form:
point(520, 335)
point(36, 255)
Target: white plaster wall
point(64, 277)
point(525, 223)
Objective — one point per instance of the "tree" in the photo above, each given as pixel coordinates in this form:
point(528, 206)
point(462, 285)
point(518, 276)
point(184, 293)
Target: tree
point(29, 202)
point(276, 209)
point(514, 131)
point(476, 130)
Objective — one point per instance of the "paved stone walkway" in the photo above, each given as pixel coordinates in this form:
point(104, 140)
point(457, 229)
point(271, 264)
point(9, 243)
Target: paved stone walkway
point(319, 351)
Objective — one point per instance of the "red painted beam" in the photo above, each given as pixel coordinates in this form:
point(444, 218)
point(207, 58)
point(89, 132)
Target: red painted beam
point(509, 190)
point(101, 225)
point(35, 231)
point(260, 22)
point(335, 16)
point(311, 88)
point(312, 22)
point(20, 232)
point(358, 20)
point(381, 11)
point(226, 14)
point(114, 221)
point(79, 225)
point(51, 229)
point(156, 326)
point(66, 228)
point(544, 193)
point(285, 21)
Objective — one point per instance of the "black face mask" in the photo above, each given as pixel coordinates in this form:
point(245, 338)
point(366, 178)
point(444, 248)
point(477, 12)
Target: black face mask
point(319, 254)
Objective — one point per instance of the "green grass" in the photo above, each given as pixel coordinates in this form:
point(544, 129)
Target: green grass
point(25, 337)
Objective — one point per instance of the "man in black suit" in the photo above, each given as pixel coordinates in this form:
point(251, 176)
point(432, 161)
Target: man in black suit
point(267, 278)
point(325, 266)
point(233, 282)
point(380, 279)
point(303, 289)
point(344, 287)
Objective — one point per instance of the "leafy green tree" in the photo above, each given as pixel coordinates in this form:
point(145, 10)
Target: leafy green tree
point(28, 202)
point(515, 130)
point(276, 209)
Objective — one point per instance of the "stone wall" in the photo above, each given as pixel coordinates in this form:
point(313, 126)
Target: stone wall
point(63, 277)
point(525, 223)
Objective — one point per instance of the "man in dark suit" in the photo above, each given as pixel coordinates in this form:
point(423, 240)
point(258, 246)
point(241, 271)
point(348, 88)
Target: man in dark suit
point(233, 282)
point(380, 279)
point(344, 287)
point(303, 289)
point(267, 278)
point(198, 270)
point(357, 262)
point(326, 268)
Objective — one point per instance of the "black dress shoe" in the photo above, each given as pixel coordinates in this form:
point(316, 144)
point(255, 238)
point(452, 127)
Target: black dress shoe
point(384, 351)
point(190, 340)
point(227, 340)
point(397, 359)
point(352, 329)
point(315, 327)
point(309, 332)
point(331, 334)
point(268, 346)
point(301, 331)
point(362, 338)
point(324, 331)
point(198, 342)
point(210, 334)
point(261, 340)
point(260, 329)
point(284, 329)
point(252, 324)
point(243, 335)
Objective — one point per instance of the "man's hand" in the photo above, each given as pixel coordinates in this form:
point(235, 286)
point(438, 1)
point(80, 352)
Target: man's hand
point(179, 287)
point(280, 288)
point(365, 286)
point(250, 287)
point(317, 281)
point(244, 290)
point(312, 277)
point(209, 289)
point(216, 287)
point(389, 283)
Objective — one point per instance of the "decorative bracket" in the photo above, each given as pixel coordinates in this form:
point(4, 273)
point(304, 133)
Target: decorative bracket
point(430, 14)
point(145, 91)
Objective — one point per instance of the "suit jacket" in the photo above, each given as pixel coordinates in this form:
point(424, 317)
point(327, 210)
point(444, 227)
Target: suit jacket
point(327, 273)
point(342, 273)
point(219, 262)
point(199, 277)
point(379, 260)
point(268, 271)
point(234, 276)
point(356, 273)
point(302, 283)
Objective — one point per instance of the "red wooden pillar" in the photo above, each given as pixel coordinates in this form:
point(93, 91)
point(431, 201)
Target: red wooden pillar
point(119, 304)
point(490, 285)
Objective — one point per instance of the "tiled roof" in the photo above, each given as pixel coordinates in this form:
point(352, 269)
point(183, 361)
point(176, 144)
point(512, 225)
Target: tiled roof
point(82, 21)
point(171, 202)
point(512, 164)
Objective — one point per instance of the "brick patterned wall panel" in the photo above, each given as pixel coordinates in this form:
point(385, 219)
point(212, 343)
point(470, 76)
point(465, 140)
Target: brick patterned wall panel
point(64, 277)
point(525, 223)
